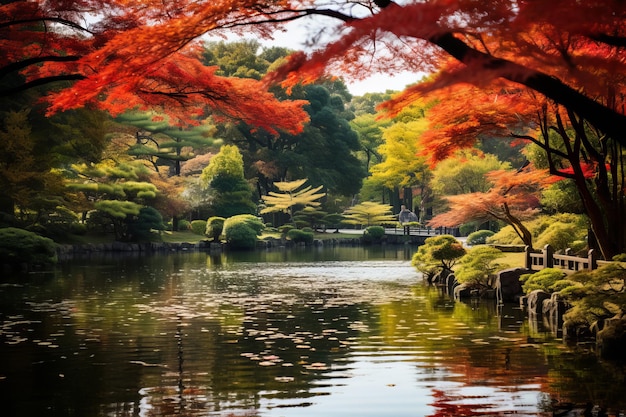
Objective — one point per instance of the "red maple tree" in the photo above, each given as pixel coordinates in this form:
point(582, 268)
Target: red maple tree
point(124, 54)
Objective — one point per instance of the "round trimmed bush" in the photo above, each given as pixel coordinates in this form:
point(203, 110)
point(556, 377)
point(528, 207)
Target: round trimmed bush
point(198, 227)
point(479, 237)
point(240, 236)
point(285, 228)
point(374, 232)
point(241, 231)
point(214, 227)
point(184, 224)
point(300, 236)
point(19, 246)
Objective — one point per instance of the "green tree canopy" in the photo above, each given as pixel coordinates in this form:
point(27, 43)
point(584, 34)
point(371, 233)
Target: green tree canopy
point(230, 193)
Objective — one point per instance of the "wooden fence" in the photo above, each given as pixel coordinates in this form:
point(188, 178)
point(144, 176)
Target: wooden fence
point(547, 258)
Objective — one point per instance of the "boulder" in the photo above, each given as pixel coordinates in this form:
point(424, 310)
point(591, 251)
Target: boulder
point(462, 291)
point(553, 310)
point(535, 302)
point(508, 287)
point(451, 282)
point(611, 340)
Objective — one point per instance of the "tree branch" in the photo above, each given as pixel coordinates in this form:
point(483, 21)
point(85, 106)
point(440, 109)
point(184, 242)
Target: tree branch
point(20, 65)
point(43, 19)
point(608, 121)
point(39, 82)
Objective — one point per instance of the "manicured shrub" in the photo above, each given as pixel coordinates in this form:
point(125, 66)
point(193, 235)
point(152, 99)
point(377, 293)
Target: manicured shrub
point(285, 228)
point(596, 296)
point(373, 234)
point(198, 227)
point(477, 266)
point(241, 231)
point(79, 229)
point(18, 246)
point(479, 237)
point(184, 224)
point(560, 236)
point(300, 236)
point(240, 236)
point(437, 253)
point(544, 280)
point(561, 231)
point(505, 236)
point(214, 227)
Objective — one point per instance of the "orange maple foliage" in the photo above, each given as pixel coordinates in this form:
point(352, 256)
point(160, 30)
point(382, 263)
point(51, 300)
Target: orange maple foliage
point(456, 125)
point(513, 198)
point(566, 50)
point(136, 54)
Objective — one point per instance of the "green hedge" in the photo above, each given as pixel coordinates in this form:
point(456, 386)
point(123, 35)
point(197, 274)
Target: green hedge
point(300, 236)
point(241, 231)
point(19, 246)
point(198, 227)
point(479, 237)
point(373, 233)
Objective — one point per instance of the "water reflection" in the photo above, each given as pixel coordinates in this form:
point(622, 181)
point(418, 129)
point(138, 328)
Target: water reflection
point(341, 331)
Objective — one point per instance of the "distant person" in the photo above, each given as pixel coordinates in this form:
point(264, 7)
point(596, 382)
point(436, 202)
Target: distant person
point(406, 216)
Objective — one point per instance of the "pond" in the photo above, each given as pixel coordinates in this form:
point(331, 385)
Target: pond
point(348, 331)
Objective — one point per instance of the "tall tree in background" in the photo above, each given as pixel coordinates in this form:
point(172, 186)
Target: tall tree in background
point(324, 152)
point(224, 179)
point(402, 172)
point(164, 145)
point(370, 133)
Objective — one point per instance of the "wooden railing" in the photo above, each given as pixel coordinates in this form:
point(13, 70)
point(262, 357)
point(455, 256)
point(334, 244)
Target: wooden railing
point(547, 258)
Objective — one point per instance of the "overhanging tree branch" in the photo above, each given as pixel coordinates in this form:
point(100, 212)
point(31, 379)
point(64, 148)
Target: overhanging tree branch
point(608, 121)
point(39, 82)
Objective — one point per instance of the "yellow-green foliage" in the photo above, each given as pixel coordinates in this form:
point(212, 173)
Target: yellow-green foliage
point(241, 231)
point(543, 280)
point(214, 227)
point(369, 213)
point(199, 227)
point(476, 266)
point(292, 193)
point(596, 295)
point(479, 237)
point(505, 236)
point(437, 252)
point(561, 231)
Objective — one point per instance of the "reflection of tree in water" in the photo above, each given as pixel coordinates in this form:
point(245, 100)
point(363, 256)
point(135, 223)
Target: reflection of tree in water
point(580, 378)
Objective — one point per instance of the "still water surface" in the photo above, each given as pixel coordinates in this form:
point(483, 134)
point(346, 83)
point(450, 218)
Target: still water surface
point(298, 333)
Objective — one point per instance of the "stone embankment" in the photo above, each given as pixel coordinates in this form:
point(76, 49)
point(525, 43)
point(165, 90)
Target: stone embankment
point(68, 251)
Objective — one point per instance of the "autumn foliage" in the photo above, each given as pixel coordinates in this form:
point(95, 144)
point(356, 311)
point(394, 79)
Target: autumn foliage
point(121, 55)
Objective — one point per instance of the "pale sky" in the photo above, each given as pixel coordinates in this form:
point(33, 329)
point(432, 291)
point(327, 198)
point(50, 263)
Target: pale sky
point(295, 38)
point(379, 83)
